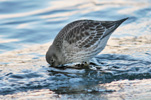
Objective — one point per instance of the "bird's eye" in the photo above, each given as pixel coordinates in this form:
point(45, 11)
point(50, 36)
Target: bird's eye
point(52, 60)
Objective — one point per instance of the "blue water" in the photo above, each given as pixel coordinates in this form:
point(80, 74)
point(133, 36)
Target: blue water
point(29, 22)
point(37, 21)
point(74, 81)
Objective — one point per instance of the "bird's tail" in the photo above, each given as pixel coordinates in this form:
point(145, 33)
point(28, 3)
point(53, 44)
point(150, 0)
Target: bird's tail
point(113, 24)
point(119, 22)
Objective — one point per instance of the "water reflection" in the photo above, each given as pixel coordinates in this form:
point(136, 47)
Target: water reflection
point(37, 22)
point(46, 18)
point(70, 80)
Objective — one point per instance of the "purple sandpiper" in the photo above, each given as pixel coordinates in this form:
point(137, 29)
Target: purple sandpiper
point(79, 41)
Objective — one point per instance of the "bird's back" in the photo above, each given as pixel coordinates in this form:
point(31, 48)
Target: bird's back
point(83, 39)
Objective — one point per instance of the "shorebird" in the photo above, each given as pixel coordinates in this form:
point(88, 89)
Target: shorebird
point(79, 41)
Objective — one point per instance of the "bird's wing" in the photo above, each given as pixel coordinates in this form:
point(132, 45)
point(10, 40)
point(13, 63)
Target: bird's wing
point(85, 33)
point(88, 32)
point(64, 33)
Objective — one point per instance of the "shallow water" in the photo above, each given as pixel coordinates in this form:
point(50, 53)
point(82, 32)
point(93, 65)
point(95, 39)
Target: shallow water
point(32, 22)
point(120, 75)
point(68, 82)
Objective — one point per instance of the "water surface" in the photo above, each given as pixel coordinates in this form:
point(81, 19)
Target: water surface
point(32, 22)
point(125, 68)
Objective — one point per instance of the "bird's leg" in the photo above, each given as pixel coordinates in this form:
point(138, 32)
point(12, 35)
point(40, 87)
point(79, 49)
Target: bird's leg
point(85, 63)
point(81, 65)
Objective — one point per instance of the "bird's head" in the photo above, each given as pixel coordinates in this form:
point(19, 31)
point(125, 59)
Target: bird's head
point(52, 57)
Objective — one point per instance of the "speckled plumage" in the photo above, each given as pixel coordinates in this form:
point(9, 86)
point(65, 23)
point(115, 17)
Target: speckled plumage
point(80, 41)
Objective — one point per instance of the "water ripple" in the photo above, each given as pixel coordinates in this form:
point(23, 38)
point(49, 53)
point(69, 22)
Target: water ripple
point(27, 20)
point(113, 67)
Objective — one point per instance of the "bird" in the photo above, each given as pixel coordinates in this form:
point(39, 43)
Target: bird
point(80, 41)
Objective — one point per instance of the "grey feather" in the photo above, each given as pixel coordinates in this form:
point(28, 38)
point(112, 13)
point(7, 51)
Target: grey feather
point(81, 40)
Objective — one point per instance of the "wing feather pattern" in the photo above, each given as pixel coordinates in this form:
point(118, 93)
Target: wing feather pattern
point(85, 33)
